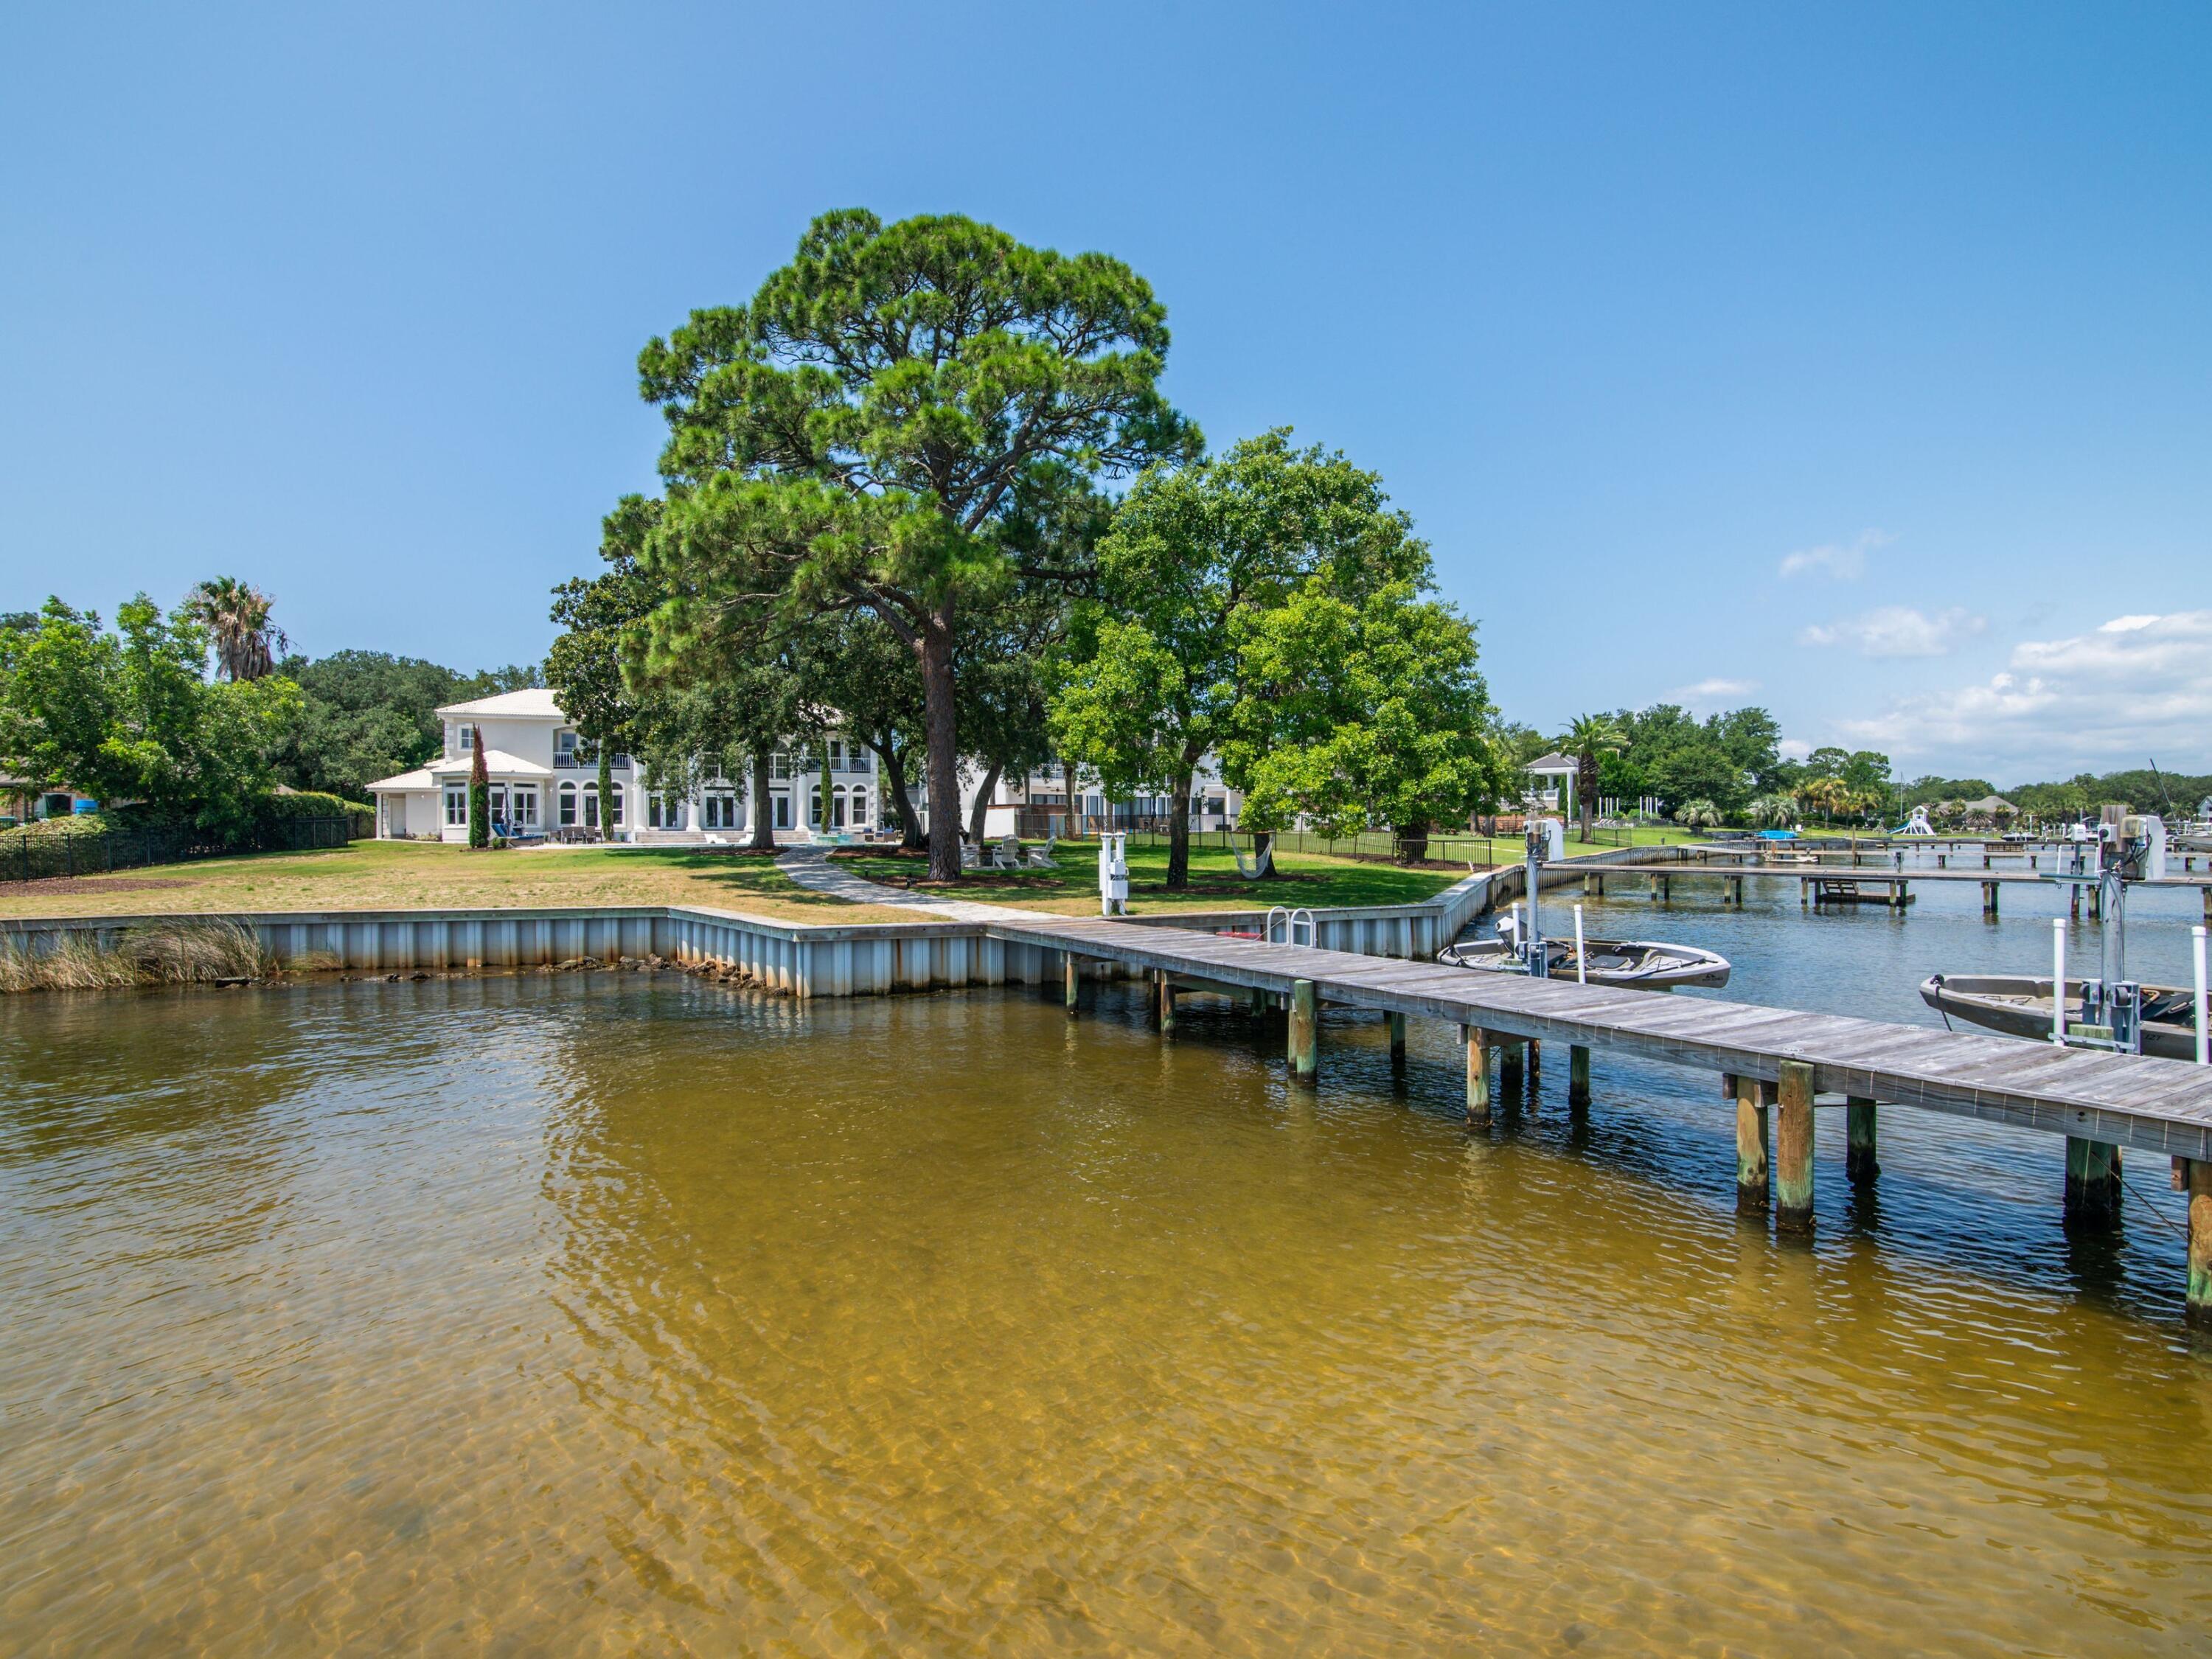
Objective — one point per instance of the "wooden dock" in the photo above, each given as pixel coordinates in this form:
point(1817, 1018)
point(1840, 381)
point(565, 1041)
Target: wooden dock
point(1773, 1060)
point(1869, 883)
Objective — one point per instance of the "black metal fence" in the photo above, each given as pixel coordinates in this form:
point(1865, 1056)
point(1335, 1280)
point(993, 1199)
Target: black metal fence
point(35, 855)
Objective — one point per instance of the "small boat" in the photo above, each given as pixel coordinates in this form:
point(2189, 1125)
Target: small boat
point(2019, 1006)
point(1635, 963)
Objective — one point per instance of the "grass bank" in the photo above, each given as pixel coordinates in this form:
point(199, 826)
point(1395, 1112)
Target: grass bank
point(379, 875)
point(1307, 879)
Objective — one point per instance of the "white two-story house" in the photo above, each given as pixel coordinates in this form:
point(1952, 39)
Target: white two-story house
point(545, 780)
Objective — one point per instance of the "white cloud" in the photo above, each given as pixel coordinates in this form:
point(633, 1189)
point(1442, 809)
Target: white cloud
point(2139, 687)
point(1898, 630)
point(1712, 691)
point(1842, 562)
point(1793, 748)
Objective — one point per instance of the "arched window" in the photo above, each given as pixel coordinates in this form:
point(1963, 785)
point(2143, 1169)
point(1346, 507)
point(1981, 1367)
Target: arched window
point(568, 807)
point(814, 805)
point(615, 808)
point(858, 817)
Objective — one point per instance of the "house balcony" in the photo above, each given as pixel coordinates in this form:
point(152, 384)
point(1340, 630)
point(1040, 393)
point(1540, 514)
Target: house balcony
point(577, 761)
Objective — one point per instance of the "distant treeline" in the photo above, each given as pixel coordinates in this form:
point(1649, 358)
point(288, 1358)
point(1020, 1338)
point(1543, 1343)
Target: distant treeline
point(2173, 794)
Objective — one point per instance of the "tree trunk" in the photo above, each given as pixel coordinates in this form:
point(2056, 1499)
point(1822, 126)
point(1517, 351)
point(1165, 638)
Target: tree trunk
point(1074, 811)
point(893, 769)
point(976, 821)
point(1179, 821)
point(1410, 842)
point(763, 839)
point(940, 720)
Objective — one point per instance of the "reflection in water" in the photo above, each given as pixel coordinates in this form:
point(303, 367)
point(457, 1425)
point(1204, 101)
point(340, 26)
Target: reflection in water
point(611, 1311)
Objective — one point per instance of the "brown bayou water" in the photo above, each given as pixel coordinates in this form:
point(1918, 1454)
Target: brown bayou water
point(614, 1312)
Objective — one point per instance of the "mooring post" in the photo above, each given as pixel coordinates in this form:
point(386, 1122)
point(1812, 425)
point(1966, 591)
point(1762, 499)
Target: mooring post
point(2076, 902)
point(2196, 1176)
point(1752, 1097)
point(1071, 981)
point(1536, 1058)
point(1259, 1002)
point(1397, 1039)
point(1305, 1031)
point(1477, 1075)
point(1793, 1149)
point(1859, 1120)
point(2097, 902)
point(1578, 1074)
point(1509, 1075)
point(1167, 1003)
point(1989, 900)
point(2093, 1183)
point(1902, 894)
point(1942, 860)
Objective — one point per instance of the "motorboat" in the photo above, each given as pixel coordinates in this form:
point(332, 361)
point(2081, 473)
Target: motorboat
point(1637, 964)
point(2019, 1005)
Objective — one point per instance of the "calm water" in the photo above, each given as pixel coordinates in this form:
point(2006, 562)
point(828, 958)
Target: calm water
point(619, 1313)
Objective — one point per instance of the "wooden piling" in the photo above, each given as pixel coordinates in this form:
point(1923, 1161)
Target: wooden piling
point(1859, 1161)
point(2093, 1182)
point(1397, 1039)
point(1989, 900)
point(1578, 1093)
point(1536, 1058)
point(1305, 1031)
point(2075, 903)
point(1793, 1149)
point(1752, 1097)
point(1477, 1076)
point(1071, 981)
point(1167, 1003)
point(1511, 1077)
point(2198, 1177)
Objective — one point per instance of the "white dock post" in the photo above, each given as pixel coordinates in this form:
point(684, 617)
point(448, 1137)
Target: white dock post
point(2058, 978)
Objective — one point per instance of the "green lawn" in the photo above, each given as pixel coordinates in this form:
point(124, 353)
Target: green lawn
point(1305, 878)
point(384, 875)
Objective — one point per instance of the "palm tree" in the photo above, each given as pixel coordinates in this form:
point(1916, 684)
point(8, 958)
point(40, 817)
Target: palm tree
point(1774, 811)
point(1698, 814)
point(1831, 795)
point(1590, 736)
point(237, 615)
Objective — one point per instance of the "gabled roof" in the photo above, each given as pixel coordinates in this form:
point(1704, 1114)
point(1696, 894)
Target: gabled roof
point(1554, 761)
point(536, 704)
point(418, 779)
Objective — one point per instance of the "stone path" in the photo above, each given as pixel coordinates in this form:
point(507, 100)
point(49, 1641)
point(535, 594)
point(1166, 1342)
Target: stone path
point(813, 868)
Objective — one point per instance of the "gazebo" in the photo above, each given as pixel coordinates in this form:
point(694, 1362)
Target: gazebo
point(1564, 768)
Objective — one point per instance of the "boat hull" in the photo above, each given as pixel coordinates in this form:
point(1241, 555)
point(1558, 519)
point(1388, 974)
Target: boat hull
point(2019, 1005)
point(1628, 965)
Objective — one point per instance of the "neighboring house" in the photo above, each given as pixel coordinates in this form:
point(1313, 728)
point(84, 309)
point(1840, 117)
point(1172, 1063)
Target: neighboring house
point(1038, 804)
point(546, 779)
point(22, 802)
point(1557, 773)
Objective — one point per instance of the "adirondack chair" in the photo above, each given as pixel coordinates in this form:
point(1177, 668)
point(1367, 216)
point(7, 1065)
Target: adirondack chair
point(1010, 854)
point(1040, 858)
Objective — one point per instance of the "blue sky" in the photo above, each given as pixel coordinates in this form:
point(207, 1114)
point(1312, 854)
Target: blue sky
point(1854, 360)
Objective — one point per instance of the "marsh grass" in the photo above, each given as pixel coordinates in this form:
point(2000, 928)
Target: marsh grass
point(182, 952)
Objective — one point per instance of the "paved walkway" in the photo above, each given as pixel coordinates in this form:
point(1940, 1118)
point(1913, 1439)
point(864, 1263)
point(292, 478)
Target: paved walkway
point(813, 868)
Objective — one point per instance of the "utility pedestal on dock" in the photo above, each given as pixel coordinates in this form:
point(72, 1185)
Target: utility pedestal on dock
point(1793, 1149)
point(1305, 1031)
point(2093, 1183)
point(1754, 1096)
point(1477, 1076)
point(1859, 1164)
point(1578, 1074)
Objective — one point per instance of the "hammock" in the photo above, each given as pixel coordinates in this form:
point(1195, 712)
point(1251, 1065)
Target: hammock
point(1258, 866)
